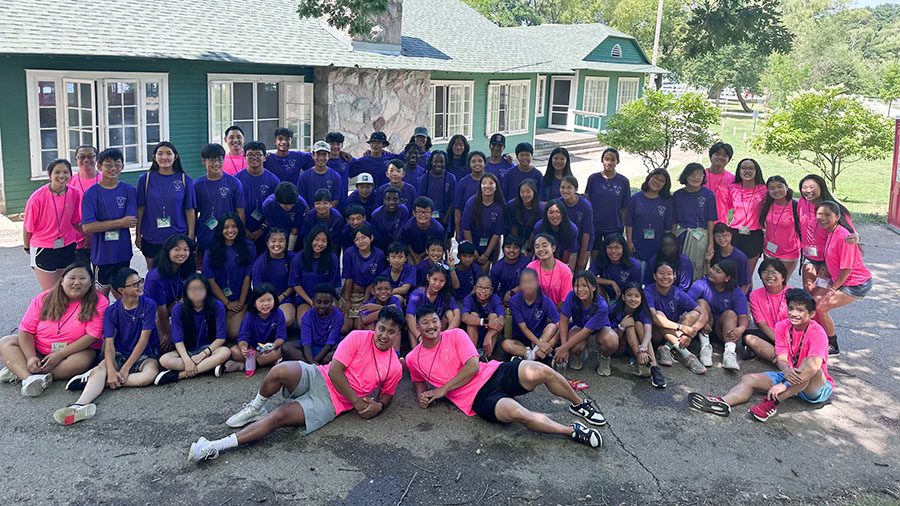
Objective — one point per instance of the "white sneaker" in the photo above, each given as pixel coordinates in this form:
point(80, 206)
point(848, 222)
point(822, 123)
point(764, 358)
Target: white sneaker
point(202, 450)
point(603, 368)
point(247, 415)
point(729, 361)
point(35, 384)
point(706, 353)
point(7, 376)
point(74, 413)
point(529, 354)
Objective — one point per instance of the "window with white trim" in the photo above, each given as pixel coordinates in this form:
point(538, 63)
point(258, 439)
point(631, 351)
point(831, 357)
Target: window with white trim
point(540, 96)
point(596, 94)
point(451, 109)
point(66, 109)
point(507, 107)
point(259, 105)
point(628, 91)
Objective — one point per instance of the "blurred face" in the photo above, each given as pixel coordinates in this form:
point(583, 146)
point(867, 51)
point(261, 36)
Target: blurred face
point(669, 246)
point(320, 242)
point(438, 163)
point(719, 159)
point(362, 241)
point(320, 158)
point(355, 220)
point(632, 298)
point(282, 143)
point(458, 148)
point(365, 189)
point(180, 253)
point(483, 290)
point(395, 173)
point(195, 292)
point(86, 160)
point(134, 286)
point(323, 304)
point(391, 202)
point(664, 276)
point(524, 158)
point(528, 284)
point(526, 194)
point(230, 230)
point(717, 275)
point(435, 253)
point(610, 162)
point(810, 190)
point(276, 244)
point(382, 291)
point(235, 142)
point(477, 165)
point(255, 159)
point(385, 333)
point(76, 283)
point(583, 290)
point(656, 183)
point(323, 208)
point(722, 239)
point(497, 150)
point(798, 314)
point(512, 251)
point(60, 176)
point(164, 157)
point(826, 217)
point(777, 190)
point(213, 167)
point(554, 215)
point(772, 279)
point(747, 171)
point(396, 260)
point(436, 282)
point(614, 251)
point(558, 162)
point(265, 304)
point(488, 187)
point(695, 179)
point(429, 326)
point(543, 249)
point(568, 192)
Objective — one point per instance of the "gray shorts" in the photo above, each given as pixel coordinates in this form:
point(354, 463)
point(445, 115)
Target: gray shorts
point(136, 368)
point(312, 394)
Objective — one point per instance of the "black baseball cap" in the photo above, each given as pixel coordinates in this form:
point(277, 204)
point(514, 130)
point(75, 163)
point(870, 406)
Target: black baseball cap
point(334, 137)
point(498, 139)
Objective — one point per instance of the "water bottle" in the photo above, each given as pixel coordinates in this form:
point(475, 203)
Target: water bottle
point(250, 363)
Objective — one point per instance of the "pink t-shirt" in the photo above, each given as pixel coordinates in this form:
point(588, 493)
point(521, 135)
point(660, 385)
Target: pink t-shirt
point(746, 203)
point(718, 183)
point(781, 234)
point(367, 368)
point(557, 283)
point(234, 164)
point(839, 255)
point(436, 366)
point(797, 343)
point(767, 307)
point(67, 330)
point(812, 235)
point(82, 184)
point(48, 216)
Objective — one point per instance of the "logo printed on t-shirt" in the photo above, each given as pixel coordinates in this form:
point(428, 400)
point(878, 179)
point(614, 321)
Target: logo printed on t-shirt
point(661, 209)
point(623, 276)
point(329, 183)
point(177, 185)
point(224, 191)
point(701, 201)
point(263, 189)
point(373, 268)
point(538, 313)
point(494, 215)
point(671, 304)
point(120, 201)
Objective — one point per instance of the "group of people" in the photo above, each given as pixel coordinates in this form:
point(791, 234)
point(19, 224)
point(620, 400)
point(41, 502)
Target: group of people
point(468, 257)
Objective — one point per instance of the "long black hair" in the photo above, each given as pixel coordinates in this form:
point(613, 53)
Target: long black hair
point(426, 178)
point(550, 174)
point(618, 238)
point(446, 291)
point(164, 265)
point(594, 305)
point(768, 201)
point(268, 254)
point(519, 207)
point(498, 197)
point(306, 256)
point(176, 165)
point(667, 187)
point(620, 310)
point(463, 161)
point(191, 332)
point(825, 194)
point(217, 248)
point(473, 154)
point(720, 228)
point(564, 236)
point(757, 178)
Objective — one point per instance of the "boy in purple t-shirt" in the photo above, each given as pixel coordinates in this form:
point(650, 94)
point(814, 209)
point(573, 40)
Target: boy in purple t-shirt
point(522, 171)
point(320, 177)
point(434, 254)
point(381, 298)
point(356, 217)
point(364, 195)
point(395, 172)
point(284, 163)
point(323, 213)
point(801, 354)
point(387, 219)
point(505, 273)
point(258, 183)
point(320, 329)
point(464, 274)
point(216, 193)
point(421, 229)
point(400, 274)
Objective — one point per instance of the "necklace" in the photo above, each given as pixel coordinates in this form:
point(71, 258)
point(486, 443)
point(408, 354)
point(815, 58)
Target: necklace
point(433, 359)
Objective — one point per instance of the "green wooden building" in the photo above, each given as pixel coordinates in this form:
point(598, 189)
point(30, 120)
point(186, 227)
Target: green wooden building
point(128, 74)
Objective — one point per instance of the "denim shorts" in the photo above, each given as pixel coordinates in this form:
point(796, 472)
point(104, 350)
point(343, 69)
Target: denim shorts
point(859, 291)
point(820, 397)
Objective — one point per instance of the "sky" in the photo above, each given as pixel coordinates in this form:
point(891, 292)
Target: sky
point(870, 3)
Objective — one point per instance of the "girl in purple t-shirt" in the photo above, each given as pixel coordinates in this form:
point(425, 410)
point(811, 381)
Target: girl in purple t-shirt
point(483, 314)
point(484, 220)
point(437, 292)
point(522, 212)
point(274, 267)
point(263, 330)
point(557, 224)
point(315, 264)
point(535, 320)
point(558, 167)
point(630, 318)
point(227, 264)
point(614, 267)
point(585, 315)
point(360, 265)
point(723, 308)
point(649, 215)
point(676, 319)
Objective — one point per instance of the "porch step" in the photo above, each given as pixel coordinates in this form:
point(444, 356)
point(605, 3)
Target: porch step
point(543, 148)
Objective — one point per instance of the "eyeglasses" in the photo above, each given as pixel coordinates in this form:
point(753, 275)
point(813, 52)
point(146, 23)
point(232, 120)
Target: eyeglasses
point(136, 284)
point(483, 288)
point(254, 154)
point(112, 165)
point(85, 157)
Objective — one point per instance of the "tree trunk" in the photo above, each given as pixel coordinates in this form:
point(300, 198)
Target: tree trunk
point(890, 103)
point(740, 97)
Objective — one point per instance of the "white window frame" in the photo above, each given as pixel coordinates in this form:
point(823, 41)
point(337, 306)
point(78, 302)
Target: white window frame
point(469, 123)
point(101, 126)
point(637, 91)
point(603, 103)
point(540, 96)
point(302, 142)
point(492, 128)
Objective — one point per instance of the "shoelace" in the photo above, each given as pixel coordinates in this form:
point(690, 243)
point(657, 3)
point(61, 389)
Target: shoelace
point(581, 434)
point(209, 453)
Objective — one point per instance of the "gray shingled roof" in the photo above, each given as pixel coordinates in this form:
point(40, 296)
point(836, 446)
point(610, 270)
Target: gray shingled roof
point(437, 35)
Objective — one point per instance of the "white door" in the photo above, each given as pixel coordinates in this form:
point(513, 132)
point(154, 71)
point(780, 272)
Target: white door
point(560, 101)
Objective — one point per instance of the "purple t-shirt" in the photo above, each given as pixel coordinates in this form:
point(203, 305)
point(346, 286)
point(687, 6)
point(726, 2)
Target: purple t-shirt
point(683, 278)
point(311, 181)
point(546, 193)
point(386, 227)
point(340, 166)
point(498, 169)
point(370, 205)
point(494, 305)
point(393, 301)
point(441, 190)
point(407, 276)
point(608, 197)
point(362, 270)
point(467, 279)
point(256, 190)
point(617, 314)
point(255, 330)
point(230, 276)
point(407, 194)
point(741, 265)
point(317, 332)
point(620, 273)
point(466, 188)
point(535, 316)
point(163, 290)
point(164, 197)
point(505, 276)
point(335, 223)
point(288, 168)
point(719, 302)
point(419, 297)
point(124, 326)
point(458, 167)
point(215, 198)
point(513, 177)
point(523, 225)
point(102, 204)
point(422, 269)
point(593, 318)
point(562, 246)
point(200, 324)
point(412, 176)
point(694, 209)
point(493, 222)
point(418, 239)
point(582, 215)
point(649, 219)
point(377, 167)
point(275, 216)
point(309, 278)
point(673, 304)
point(275, 271)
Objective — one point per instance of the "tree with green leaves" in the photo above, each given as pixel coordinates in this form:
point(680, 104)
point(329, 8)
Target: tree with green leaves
point(890, 85)
point(354, 16)
point(826, 129)
point(657, 123)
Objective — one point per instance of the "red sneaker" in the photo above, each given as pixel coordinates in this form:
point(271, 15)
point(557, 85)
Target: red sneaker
point(764, 410)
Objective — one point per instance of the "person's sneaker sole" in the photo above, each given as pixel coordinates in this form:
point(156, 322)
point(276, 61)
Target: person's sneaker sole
point(702, 403)
point(69, 416)
point(706, 354)
point(654, 384)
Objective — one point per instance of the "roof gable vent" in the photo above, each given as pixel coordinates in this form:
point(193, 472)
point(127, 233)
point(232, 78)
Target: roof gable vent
point(616, 51)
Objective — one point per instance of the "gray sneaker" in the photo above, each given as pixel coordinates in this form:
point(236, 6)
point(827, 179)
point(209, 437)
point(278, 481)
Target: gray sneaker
point(35, 384)
point(245, 416)
point(202, 450)
point(665, 356)
point(706, 353)
point(729, 361)
point(74, 413)
point(576, 361)
point(694, 364)
point(643, 371)
point(603, 368)
point(529, 354)
point(7, 376)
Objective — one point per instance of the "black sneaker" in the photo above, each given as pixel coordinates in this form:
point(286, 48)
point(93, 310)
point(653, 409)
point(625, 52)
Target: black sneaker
point(586, 436)
point(833, 348)
point(166, 377)
point(656, 377)
point(589, 412)
point(77, 383)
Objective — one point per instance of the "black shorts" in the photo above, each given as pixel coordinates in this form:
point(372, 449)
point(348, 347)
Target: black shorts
point(50, 260)
point(149, 249)
point(83, 255)
point(106, 273)
point(750, 244)
point(504, 383)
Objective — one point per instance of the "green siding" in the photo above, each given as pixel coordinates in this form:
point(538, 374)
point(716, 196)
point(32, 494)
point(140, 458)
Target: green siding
point(188, 122)
point(631, 53)
point(480, 138)
point(611, 99)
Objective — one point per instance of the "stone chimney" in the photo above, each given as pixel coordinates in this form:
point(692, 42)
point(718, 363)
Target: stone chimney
point(386, 31)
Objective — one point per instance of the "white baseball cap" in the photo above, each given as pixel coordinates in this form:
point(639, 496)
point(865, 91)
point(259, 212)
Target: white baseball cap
point(365, 178)
point(321, 146)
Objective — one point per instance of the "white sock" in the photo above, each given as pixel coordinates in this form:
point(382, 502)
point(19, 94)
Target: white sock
point(730, 347)
point(704, 338)
point(225, 443)
point(259, 401)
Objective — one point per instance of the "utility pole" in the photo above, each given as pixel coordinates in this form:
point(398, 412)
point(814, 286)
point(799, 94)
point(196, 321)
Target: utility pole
point(659, 14)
